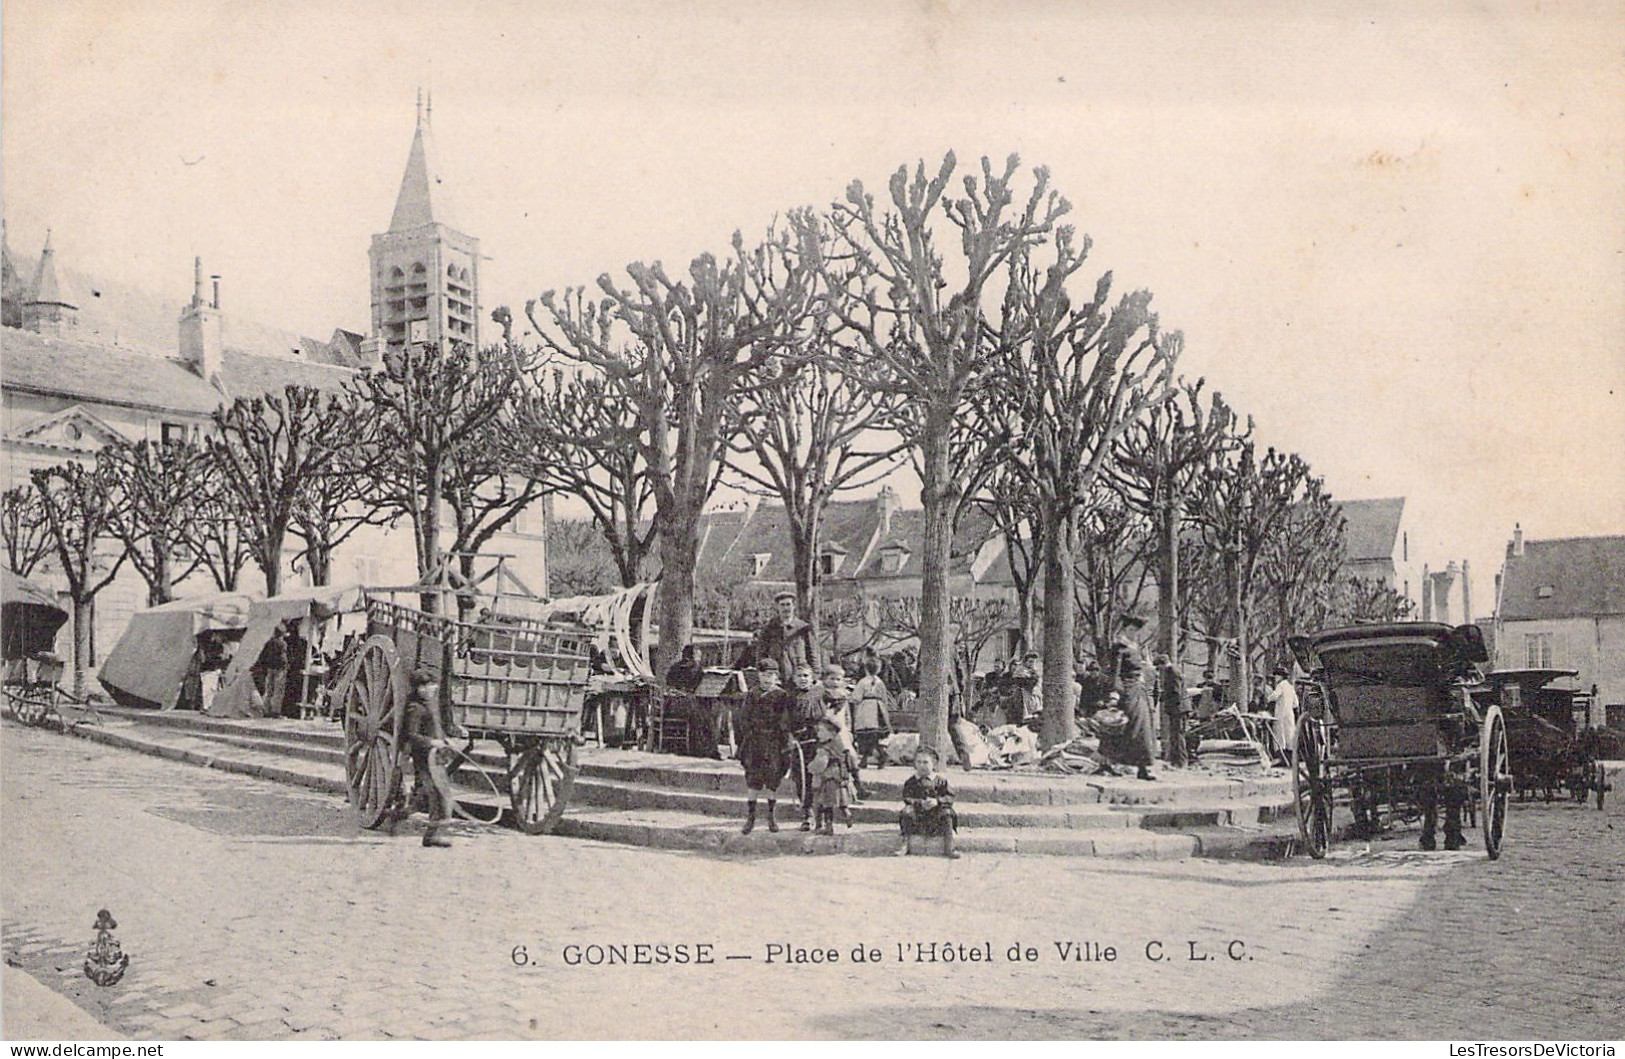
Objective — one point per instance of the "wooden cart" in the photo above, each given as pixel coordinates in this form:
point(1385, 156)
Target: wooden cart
point(519, 683)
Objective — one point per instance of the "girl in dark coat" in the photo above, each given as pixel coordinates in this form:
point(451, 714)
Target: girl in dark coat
point(1136, 743)
point(764, 742)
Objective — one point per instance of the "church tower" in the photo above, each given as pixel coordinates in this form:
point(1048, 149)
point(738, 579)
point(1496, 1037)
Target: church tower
point(425, 273)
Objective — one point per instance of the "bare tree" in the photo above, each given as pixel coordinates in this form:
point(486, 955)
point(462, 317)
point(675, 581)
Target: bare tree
point(578, 434)
point(1013, 509)
point(1246, 502)
point(80, 504)
point(1362, 599)
point(803, 434)
point(1300, 571)
point(1154, 467)
point(578, 561)
point(680, 351)
point(1115, 545)
point(922, 337)
point(432, 411)
point(161, 484)
point(270, 451)
point(25, 532)
point(216, 534)
point(972, 624)
point(1072, 379)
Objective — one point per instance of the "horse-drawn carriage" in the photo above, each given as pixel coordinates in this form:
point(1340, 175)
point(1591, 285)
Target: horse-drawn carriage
point(516, 681)
point(1394, 729)
point(1551, 750)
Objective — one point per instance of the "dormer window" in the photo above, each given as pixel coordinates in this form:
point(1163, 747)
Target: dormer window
point(759, 563)
point(1545, 591)
point(892, 558)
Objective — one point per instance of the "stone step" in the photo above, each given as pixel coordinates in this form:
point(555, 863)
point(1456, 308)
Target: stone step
point(1005, 788)
point(616, 794)
point(693, 818)
point(667, 829)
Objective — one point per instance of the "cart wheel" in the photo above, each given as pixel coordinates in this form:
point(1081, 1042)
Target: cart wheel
point(1495, 782)
point(374, 697)
point(539, 781)
point(1311, 789)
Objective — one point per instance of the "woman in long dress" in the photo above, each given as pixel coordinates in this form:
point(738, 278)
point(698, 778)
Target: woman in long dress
point(1136, 743)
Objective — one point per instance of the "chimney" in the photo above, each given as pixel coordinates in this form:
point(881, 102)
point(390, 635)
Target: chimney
point(1466, 592)
point(200, 334)
point(216, 281)
point(1516, 550)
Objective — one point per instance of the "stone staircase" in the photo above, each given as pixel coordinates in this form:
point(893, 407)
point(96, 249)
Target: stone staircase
point(1216, 809)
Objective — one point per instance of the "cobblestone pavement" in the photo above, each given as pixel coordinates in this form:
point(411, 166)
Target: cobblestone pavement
point(257, 911)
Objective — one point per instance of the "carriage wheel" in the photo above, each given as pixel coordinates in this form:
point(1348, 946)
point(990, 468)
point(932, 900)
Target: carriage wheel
point(539, 781)
point(1311, 789)
point(1494, 780)
point(374, 699)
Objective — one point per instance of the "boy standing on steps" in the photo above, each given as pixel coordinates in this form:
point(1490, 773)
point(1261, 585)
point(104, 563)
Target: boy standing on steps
point(765, 745)
point(928, 805)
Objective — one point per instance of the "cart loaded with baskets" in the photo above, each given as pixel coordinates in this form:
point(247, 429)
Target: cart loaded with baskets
point(1394, 729)
point(517, 682)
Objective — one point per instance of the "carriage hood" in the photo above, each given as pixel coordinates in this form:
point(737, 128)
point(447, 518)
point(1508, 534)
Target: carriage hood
point(1404, 654)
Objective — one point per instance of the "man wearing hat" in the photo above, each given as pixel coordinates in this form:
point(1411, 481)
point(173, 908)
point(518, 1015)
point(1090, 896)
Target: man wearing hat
point(785, 641)
point(1283, 700)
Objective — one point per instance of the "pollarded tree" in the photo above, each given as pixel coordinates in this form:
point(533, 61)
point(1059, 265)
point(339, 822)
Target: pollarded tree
point(1013, 509)
point(681, 351)
point(23, 528)
point(923, 339)
point(1115, 545)
point(431, 414)
point(578, 433)
point(1154, 468)
point(1246, 503)
point(216, 534)
point(1300, 571)
point(1072, 378)
point(162, 485)
point(80, 503)
point(805, 431)
point(269, 451)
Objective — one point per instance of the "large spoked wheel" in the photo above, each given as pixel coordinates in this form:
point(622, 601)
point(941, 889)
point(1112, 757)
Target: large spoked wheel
point(1494, 779)
point(374, 698)
point(1311, 788)
point(540, 777)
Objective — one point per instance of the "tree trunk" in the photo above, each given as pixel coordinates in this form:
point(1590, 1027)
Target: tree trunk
point(936, 649)
point(269, 558)
point(1059, 623)
point(320, 560)
point(428, 540)
point(1170, 513)
point(162, 590)
point(679, 548)
point(84, 646)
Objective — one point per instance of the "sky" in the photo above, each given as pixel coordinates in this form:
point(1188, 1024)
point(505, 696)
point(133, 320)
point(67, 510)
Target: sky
point(1395, 238)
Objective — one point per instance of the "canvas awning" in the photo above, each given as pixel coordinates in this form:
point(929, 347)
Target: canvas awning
point(29, 617)
point(308, 607)
point(149, 663)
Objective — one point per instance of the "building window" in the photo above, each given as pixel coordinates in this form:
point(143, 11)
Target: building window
point(759, 563)
point(173, 433)
point(1538, 650)
point(826, 564)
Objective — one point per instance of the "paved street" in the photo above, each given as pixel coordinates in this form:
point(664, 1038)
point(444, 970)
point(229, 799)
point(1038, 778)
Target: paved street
point(252, 910)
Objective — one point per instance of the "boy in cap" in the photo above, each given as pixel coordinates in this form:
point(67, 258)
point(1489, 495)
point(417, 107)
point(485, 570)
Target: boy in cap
point(764, 745)
point(838, 707)
point(807, 710)
point(426, 733)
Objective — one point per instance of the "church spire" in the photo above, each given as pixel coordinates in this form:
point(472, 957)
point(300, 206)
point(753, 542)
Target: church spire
point(422, 199)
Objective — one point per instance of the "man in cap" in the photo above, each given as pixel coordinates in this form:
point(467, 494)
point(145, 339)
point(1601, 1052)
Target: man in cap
point(426, 735)
point(785, 641)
